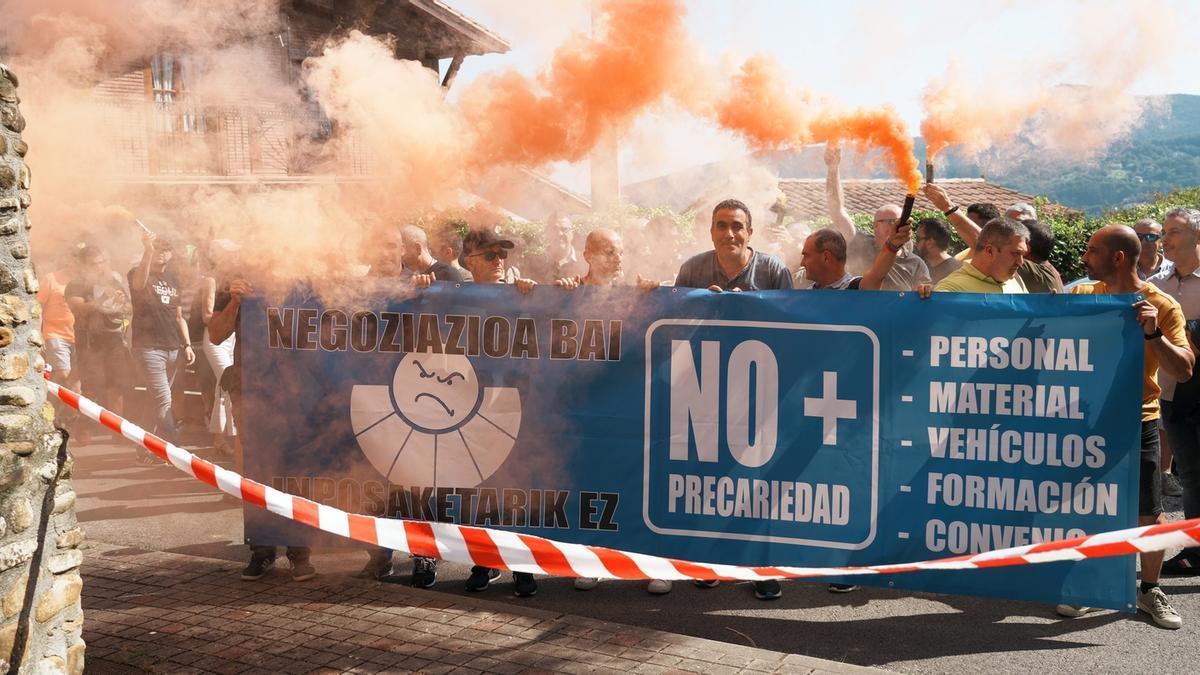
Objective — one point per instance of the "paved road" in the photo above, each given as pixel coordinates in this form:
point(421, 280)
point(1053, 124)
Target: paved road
point(158, 508)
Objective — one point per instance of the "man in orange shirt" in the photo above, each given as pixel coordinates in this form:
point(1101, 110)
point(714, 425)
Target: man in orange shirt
point(58, 323)
point(1111, 259)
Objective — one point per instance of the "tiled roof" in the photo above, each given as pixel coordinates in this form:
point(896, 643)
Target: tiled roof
point(806, 196)
point(530, 195)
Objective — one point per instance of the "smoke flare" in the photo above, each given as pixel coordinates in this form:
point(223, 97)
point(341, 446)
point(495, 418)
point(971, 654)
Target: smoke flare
point(771, 115)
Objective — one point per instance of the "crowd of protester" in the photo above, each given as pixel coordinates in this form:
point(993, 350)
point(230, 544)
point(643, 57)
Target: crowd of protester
point(107, 330)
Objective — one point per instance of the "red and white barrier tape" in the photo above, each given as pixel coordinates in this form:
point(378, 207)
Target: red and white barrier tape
point(529, 553)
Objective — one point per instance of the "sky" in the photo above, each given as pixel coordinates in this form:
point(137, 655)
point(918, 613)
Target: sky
point(863, 53)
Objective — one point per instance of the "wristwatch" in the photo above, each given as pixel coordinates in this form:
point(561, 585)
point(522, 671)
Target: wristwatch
point(951, 211)
point(1155, 335)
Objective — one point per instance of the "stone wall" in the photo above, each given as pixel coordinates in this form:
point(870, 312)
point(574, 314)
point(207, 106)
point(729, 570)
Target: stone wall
point(40, 584)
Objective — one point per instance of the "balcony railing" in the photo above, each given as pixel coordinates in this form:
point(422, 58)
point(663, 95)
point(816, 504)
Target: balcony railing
point(230, 142)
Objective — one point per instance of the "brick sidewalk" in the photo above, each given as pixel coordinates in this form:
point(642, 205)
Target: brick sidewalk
point(173, 613)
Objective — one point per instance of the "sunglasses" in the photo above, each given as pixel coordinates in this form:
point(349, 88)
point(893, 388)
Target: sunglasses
point(1149, 236)
point(491, 256)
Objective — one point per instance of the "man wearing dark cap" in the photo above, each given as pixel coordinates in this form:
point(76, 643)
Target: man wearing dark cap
point(484, 253)
point(159, 329)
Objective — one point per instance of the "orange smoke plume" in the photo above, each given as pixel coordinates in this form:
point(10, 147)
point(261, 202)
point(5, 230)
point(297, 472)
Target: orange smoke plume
point(591, 86)
point(771, 115)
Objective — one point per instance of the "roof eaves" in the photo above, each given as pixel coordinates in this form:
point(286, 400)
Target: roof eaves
point(489, 41)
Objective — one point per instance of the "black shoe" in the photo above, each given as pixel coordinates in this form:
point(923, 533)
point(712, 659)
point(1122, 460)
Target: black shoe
point(425, 572)
point(767, 590)
point(842, 588)
point(525, 584)
point(259, 565)
point(480, 578)
point(1185, 564)
point(706, 583)
point(302, 570)
point(377, 568)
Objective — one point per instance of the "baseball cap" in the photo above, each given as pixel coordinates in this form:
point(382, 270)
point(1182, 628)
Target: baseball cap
point(483, 238)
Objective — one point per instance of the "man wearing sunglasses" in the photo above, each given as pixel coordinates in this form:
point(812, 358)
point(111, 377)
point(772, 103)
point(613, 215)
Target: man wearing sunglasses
point(484, 256)
point(1151, 261)
point(908, 271)
point(484, 253)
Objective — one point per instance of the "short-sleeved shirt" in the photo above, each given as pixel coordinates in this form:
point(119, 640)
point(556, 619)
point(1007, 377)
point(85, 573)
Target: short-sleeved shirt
point(443, 272)
point(848, 282)
point(154, 311)
point(764, 272)
point(57, 320)
point(1186, 291)
point(968, 279)
point(103, 327)
point(1040, 277)
point(1170, 322)
point(907, 273)
point(943, 269)
point(1161, 266)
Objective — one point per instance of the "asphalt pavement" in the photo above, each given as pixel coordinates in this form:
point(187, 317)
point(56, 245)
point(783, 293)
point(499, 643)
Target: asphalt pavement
point(123, 503)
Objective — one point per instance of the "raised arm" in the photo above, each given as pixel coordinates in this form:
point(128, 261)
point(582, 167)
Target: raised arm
point(966, 228)
point(224, 320)
point(141, 274)
point(834, 200)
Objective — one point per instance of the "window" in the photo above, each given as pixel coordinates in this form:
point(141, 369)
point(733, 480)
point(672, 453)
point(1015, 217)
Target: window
point(175, 110)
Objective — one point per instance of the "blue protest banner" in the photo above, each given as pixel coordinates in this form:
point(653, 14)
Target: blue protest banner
point(776, 428)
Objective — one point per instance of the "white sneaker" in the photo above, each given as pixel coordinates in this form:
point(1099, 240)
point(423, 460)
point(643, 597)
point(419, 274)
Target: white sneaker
point(658, 586)
point(1074, 611)
point(1154, 602)
point(586, 583)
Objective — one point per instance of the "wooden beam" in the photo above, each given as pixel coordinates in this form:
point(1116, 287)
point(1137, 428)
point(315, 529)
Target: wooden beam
point(452, 71)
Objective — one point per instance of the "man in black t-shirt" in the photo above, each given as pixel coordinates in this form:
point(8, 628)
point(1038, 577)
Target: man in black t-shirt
point(159, 330)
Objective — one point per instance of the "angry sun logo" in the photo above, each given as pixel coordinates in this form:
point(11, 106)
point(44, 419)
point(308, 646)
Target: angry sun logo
point(435, 424)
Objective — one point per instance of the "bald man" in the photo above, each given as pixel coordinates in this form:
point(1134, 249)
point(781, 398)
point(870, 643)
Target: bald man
point(418, 259)
point(603, 252)
point(908, 271)
point(1111, 259)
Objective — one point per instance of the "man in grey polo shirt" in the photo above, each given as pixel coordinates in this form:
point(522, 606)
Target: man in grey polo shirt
point(1181, 280)
point(733, 265)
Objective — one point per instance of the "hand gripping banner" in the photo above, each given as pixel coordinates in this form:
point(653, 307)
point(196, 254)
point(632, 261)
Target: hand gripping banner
point(812, 430)
point(527, 553)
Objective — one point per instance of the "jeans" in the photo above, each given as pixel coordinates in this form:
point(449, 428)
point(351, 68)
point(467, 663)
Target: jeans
point(156, 367)
point(1185, 446)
